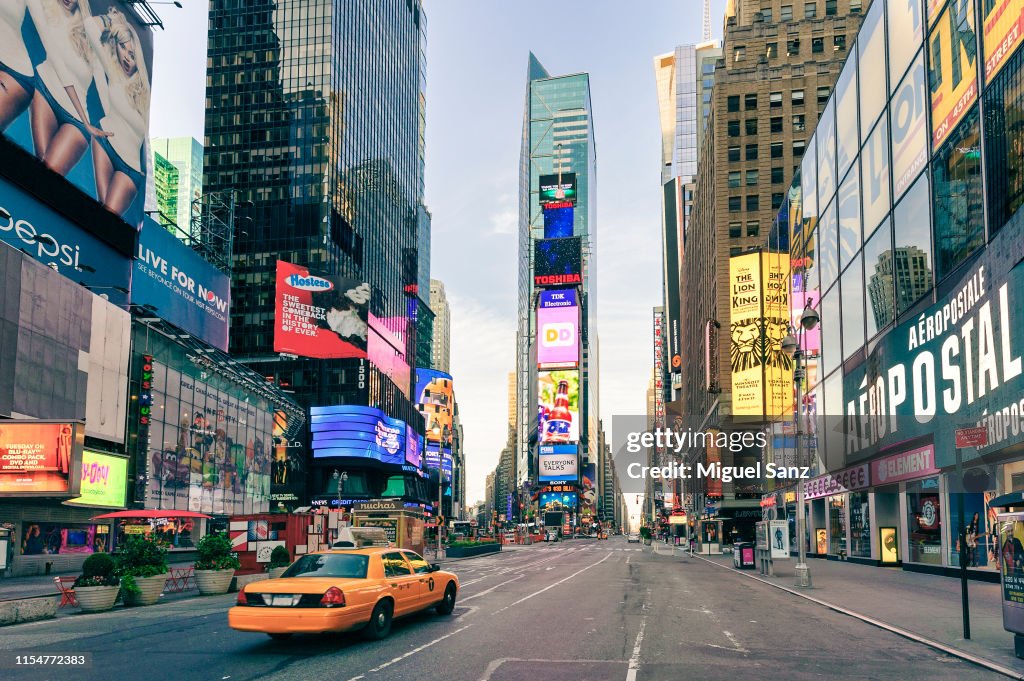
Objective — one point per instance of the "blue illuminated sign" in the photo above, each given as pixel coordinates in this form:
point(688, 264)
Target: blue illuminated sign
point(356, 431)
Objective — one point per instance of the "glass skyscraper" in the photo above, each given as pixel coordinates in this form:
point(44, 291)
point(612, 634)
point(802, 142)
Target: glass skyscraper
point(558, 137)
point(176, 194)
point(315, 117)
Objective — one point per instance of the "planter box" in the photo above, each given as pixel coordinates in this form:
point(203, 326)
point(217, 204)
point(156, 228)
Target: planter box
point(275, 573)
point(150, 590)
point(467, 551)
point(214, 581)
point(96, 598)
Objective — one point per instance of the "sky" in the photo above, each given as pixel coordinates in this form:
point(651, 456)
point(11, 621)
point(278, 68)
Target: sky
point(477, 53)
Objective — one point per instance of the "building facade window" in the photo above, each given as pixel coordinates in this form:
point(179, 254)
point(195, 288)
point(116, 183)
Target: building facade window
point(750, 125)
point(734, 178)
point(839, 43)
point(732, 103)
point(880, 271)
point(1004, 139)
point(735, 230)
point(735, 204)
point(958, 204)
point(772, 50)
point(860, 525)
point(793, 47)
point(775, 124)
point(913, 245)
point(752, 178)
point(786, 13)
point(752, 202)
point(924, 522)
point(751, 152)
point(810, 10)
point(777, 199)
point(775, 100)
point(778, 175)
point(776, 149)
point(798, 123)
point(817, 45)
point(733, 128)
point(750, 102)
point(734, 154)
point(753, 228)
point(797, 97)
point(823, 92)
point(830, 8)
point(739, 54)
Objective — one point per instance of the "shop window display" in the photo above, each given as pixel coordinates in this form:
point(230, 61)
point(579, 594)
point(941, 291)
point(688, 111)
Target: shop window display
point(980, 545)
point(837, 525)
point(860, 525)
point(63, 538)
point(924, 522)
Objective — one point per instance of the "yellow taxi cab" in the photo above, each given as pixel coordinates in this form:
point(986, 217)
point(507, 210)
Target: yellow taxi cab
point(344, 590)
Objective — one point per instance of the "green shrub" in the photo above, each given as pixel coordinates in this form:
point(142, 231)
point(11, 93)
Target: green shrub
point(279, 558)
point(140, 556)
point(215, 553)
point(98, 570)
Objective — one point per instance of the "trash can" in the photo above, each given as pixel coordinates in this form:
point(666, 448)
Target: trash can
point(743, 555)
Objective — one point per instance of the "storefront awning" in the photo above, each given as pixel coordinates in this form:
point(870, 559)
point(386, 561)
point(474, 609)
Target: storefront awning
point(150, 513)
point(1011, 499)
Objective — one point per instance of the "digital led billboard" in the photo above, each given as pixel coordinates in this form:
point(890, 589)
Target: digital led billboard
point(104, 479)
point(435, 399)
point(557, 463)
point(952, 77)
point(557, 262)
point(413, 447)
point(324, 317)
point(560, 187)
point(558, 221)
point(558, 341)
point(78, 95)
point(557, 501)
point(356, 431)
point(186, 290)
point(558, 395)
point(40, 458)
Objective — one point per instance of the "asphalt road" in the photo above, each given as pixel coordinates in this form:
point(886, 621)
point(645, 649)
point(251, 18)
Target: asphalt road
point(580, 610)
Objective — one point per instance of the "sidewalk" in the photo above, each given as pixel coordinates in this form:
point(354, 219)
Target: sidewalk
point(925, 605)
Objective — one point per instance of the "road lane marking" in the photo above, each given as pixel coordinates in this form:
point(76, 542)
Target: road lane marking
point(634, 660)
point(410, 653)
point(552, 586)
point(497, 586)
point(735, 643)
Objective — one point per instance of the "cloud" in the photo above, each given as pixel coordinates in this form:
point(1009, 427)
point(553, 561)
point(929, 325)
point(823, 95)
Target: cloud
point(506, 219)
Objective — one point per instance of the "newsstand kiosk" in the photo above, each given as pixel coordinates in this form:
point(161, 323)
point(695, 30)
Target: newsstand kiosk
point(402, 524)
point(254, 536)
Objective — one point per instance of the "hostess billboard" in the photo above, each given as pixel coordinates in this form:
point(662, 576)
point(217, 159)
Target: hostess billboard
point(320, 316)
point(35, 229)
point(76, 94)
point(354, 431)
point(186, 290)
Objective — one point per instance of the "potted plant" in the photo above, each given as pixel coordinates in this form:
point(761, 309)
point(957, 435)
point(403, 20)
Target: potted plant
point(645, 534)
point(97, 587)
point(142, 567)
point(279, 562)
point(216, 565)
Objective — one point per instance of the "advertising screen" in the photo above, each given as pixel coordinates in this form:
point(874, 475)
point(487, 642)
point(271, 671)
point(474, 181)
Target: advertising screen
point(413, 447)
point(104, 479)
point(558, 221)
point(1002, 22)
point(952, 78)
point(557, 188)
point(363, 432)
point(557, 463)
point(557, 262)
point(287, 479)
point(557, 501)
point(558, 341)
point(40, 458)
point(435, 399)
point(188, 291)
point(588, 489)
point(49, 238)
point(432, 456)
point(565, 297)
point(558, 395)
point(386, 350)
point(84, 68)
point(447, 463)
point(324, 317)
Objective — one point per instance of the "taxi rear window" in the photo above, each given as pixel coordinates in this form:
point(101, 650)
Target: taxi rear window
point(348, 566)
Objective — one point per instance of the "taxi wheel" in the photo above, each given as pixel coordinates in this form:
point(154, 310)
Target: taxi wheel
point(280, 637)
point(380, 622)
point(447, 604)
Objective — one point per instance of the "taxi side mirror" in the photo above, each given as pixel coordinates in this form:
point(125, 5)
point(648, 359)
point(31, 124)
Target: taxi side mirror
point(434, 567)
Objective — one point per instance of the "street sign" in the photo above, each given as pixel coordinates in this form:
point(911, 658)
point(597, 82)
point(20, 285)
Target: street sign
point(971, 437)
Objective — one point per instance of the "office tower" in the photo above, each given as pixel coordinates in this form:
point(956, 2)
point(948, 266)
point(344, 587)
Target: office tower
point(441, 358)
point(174, 201)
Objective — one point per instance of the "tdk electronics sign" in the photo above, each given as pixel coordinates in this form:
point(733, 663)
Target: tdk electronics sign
point(186, 290)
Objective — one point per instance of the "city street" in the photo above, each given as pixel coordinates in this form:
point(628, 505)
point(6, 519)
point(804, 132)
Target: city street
point(572, 611)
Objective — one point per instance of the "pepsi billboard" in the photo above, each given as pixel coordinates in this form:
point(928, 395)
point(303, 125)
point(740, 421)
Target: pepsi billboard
point(185, 290)
point(360, 432)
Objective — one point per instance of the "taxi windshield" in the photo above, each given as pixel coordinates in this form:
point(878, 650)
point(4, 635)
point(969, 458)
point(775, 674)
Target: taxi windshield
point(349, 566)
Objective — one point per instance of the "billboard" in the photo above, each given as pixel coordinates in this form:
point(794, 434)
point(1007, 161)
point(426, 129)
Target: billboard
point(558, 395)
point(952, 75)
point(560, 187)
point(588, 489)
point(550, 298)
point(48, 237)
point(432, 456)
point(413, 447)
point(187, 291)
point(759, 314)
point(558, 338)
point(558, 463)
point(1002, 22)
point(557, 501)
point(66, 349)
point(435, 399)
point(77, 95)
point(386, 350)
point(558, 220)
point(40, 458)
point(104, 480)
point(364, 432)
point(287, 474)
point(320, 316)
point(557, 262)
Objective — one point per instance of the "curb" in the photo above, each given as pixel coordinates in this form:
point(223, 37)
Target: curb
point(917, 638)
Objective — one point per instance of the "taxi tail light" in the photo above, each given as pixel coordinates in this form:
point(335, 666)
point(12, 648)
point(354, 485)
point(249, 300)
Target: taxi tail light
point(242, 600)
point(333, 598)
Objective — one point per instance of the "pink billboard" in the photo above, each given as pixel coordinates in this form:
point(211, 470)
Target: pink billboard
point(558, 342)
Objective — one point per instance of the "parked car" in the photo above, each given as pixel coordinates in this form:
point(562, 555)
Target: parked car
point(551, 535)
point(633, 538)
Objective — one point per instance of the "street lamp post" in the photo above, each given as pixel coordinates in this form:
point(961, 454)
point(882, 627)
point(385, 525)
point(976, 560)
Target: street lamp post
point(792, 347)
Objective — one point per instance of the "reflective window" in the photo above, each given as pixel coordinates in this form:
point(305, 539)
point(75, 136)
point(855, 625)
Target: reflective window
point(826, 136)
point(395, 565)
point(809, 181)
point(846, 115)
point(879, 271)
point(959, 219)
point(849, 217)
point(909, 128)
point(419, 565)
point(1004, 140)
point(913, 245)
point(952, 68)
point(871, 61)
point(828, 247)
point(831, 332)
point(906, 23)
point(752, 177)
point(875, 169)
point(852, 288)
point(734, 178)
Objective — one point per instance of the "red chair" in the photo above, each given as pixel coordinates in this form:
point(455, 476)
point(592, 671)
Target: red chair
point(65, 586)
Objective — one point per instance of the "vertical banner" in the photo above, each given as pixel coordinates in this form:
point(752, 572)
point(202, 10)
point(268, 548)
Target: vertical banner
point(745, 291)
point(778, 366)
point(1001, 22)
point(713, 483)
point(952, 69)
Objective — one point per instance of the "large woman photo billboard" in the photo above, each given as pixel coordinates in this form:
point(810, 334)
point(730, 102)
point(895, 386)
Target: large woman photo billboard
point(75, 92)
point(320, 316)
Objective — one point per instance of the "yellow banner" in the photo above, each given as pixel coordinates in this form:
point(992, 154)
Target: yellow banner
point(778, 366)
point(746, 358)
point(1002, 25)
point(953, 77)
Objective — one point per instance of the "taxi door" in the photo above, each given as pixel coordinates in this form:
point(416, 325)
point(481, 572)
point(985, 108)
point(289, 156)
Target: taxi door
point(405, 584)
point(431, 590)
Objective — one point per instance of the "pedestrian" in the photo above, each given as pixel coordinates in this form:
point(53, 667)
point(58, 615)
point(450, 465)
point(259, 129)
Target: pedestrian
point(972, 541)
